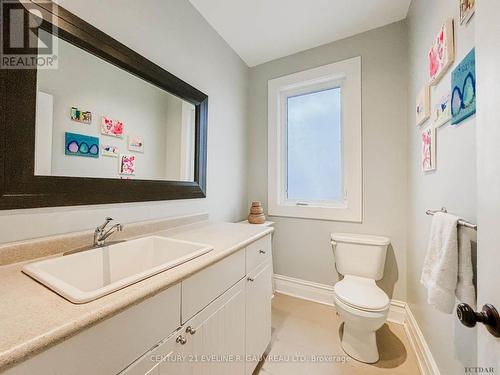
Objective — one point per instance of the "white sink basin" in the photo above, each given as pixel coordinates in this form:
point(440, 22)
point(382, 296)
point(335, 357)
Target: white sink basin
point(88, 275)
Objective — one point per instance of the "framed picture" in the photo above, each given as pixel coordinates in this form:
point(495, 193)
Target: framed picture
point(441, 113)
point(135, 143)
point(127, 165)
point(111, 127)
point(467, 9)
point(428, 138)
point(109, 150)
point(463, 89)
point(80, 116)
point(422, 105)
point(81, 145)
point(442, 53)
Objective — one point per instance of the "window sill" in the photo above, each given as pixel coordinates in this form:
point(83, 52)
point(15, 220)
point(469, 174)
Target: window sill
point(345, 214)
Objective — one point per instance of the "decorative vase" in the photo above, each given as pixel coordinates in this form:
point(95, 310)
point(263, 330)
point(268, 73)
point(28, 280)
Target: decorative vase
point(256, 215)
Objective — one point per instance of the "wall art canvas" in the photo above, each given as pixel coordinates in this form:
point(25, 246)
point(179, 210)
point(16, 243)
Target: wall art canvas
point(80, 116)
point(127, 165)
point(441, 113)
point(422, 106)
point(428, 148)
point(111, 127)
point(135, 143)
point(442, 53)
point(467, 9)
point(81, 145)
point(109, 150)
point(463, 89)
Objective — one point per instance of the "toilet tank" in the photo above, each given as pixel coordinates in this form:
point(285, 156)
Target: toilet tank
point(360, 254)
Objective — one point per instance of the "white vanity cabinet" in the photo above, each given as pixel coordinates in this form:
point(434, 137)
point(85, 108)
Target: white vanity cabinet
point(258, 301)
point(205, 286)
point(163, 357)
point(217, 346)
point(208, 324)
point(258, 315)
point(211, 343)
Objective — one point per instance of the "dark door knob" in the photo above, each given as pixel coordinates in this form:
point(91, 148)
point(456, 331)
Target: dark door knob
point(488, 316)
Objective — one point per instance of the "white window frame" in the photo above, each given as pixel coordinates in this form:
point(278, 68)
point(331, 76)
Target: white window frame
point(346, 75)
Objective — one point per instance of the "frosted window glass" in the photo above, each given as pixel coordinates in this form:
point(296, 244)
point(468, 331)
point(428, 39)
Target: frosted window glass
point(314, 146)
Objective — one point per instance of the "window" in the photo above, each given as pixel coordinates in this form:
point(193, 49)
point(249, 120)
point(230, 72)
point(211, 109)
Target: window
point(313, 139)
point(315, 143)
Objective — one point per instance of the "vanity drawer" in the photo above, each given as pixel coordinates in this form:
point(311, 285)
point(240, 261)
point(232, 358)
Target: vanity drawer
point(258, 252)
point(205, 286)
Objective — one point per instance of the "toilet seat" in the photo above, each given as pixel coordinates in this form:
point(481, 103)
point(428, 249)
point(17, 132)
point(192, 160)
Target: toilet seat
point(361, 293)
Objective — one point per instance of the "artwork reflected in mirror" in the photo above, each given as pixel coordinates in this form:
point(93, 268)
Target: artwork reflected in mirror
point(94, 119)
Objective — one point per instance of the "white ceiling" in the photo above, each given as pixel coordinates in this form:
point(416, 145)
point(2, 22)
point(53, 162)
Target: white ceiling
point(264, 30)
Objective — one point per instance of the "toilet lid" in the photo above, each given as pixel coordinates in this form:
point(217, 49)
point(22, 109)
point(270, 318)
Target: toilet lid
point(361, 293)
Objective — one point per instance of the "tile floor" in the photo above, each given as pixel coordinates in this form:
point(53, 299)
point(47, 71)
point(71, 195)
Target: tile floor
point(303, 329)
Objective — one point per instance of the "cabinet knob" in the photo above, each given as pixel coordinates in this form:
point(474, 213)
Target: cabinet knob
point(488, 316)
point(250, 279)
point(262, 252)
point(190, 330)
point(181, 340)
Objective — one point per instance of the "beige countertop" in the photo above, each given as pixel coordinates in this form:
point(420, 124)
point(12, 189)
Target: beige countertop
point(33, 318)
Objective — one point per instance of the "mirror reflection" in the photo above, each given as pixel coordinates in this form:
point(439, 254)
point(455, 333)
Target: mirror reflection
point(94, 119)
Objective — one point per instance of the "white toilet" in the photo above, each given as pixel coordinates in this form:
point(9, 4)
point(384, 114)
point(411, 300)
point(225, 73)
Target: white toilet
point(362, 305)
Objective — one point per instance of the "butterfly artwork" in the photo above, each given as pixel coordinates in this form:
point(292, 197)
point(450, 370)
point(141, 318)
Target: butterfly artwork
point(467, 9)
point(81, 145)
point(442, 53)
point(428, 148)
point(463, 89)
point(113, 128)
point(109, 150)
point(78, 115)
point(135, 143)
point(441, 113)
point(422, 106)
point(127, 165)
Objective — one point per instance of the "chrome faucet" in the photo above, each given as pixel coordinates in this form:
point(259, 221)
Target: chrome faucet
point(100, 235)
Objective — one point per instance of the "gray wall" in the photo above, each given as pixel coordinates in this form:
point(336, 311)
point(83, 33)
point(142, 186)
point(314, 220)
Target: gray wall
point(175, 36)
point(302, 248)
point(453, 184)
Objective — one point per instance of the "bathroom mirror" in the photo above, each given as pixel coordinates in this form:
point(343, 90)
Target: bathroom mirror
point(100, 124)
point(93, 119)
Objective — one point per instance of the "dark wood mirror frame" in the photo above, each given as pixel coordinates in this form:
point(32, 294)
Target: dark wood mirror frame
point(20, 188)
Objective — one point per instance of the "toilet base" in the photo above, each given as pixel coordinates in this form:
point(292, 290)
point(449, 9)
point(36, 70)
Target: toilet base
point(360, 344)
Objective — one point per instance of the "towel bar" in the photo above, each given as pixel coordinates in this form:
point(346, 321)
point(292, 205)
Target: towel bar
point(460, 221)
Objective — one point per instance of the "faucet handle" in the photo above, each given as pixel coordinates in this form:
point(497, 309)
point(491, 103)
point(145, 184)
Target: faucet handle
point(107, 220)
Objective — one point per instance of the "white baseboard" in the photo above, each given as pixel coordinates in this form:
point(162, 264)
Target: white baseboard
point(302, 289)
point(324, 294)
point(425, 359)
point(399, 313)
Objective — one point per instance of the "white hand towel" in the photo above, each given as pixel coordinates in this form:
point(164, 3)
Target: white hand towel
point(439, 274)
point(447, 270)
point(465, 291)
